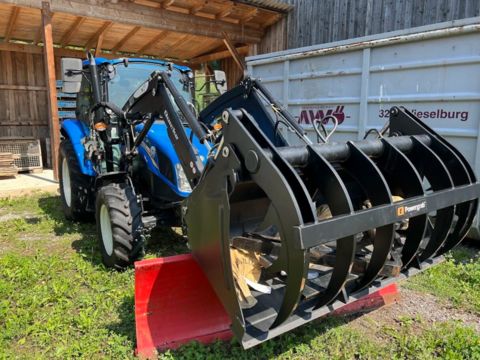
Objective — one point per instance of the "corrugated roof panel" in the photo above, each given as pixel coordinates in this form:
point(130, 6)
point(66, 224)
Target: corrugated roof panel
point(276, 5)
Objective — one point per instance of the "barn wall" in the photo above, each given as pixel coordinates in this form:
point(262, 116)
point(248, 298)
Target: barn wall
point(232, 71)
point(314, 22)
point(23, 96)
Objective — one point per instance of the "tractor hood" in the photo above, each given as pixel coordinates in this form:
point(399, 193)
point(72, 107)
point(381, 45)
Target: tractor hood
point(158, 138)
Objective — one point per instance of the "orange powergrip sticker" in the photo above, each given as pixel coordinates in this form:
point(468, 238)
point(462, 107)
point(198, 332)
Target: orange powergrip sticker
point(401, 211)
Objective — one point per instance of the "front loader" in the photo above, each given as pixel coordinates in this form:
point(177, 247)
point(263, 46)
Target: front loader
point(285, 230)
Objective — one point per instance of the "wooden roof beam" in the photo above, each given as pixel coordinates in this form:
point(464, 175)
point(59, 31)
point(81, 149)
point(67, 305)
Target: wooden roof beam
point(33, 49)
point(233, 50)
point(175, 45)
point(152, 42)
point(249, 16)
point(198, 7)
point(243, 50)
point(167, 3)
point(101, 32)
point(127, 37)
point(11, 23)
point(98, 46)
point(71, 32)
point(155, 18)
point(224, 13)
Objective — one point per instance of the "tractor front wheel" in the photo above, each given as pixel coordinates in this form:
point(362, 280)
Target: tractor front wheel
point(74, 185)
point(119, 226)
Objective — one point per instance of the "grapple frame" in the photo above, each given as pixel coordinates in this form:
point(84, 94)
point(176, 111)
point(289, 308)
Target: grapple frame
point(262, 194)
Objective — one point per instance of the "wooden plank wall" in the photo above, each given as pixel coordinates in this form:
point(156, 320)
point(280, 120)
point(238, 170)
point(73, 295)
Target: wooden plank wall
point(232, 71)
point(23, 96)
point(314, 22)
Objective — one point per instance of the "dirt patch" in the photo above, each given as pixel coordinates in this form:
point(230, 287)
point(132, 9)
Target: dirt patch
point(423, 309)
point(26, 216)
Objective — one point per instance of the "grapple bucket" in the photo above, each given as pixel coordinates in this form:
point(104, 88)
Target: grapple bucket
point(284, 232)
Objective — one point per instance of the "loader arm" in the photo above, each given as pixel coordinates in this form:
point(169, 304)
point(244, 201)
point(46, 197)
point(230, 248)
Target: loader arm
point(157, 99)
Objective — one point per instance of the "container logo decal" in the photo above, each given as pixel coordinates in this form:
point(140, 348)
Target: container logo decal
point(434, 114)
point(311, 114)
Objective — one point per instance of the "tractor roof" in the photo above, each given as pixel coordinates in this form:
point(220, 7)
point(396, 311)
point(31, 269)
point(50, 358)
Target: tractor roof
point(101, 61)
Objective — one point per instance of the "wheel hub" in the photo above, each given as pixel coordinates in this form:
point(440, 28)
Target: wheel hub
point(106, 229)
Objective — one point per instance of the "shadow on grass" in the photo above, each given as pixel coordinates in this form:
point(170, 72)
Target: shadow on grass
point(161, 241)
point(86, 245)
point(125, 327)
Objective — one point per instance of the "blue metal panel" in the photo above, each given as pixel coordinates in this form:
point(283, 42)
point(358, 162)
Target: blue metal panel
point(66, 95)
point(66, 114)
point(158, 137)
point(76, 130)
point(67, 104)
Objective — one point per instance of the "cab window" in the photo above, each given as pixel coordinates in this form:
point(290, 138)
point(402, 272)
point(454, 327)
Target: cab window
point(84, 101)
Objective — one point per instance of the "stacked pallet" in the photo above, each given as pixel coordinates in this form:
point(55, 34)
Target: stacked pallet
point(7, 166)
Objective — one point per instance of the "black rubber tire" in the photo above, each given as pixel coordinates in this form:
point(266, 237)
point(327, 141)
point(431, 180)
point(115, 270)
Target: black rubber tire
point(126, 225)
point(80, 185)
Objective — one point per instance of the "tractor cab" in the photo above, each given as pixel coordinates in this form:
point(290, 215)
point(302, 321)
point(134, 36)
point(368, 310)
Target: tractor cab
point(157, 170)
point(120, 78)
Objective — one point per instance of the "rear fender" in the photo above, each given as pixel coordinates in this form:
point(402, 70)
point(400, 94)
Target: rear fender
point(76, 131)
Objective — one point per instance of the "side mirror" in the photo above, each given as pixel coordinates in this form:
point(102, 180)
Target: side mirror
point(71, 75)
point(220, 81)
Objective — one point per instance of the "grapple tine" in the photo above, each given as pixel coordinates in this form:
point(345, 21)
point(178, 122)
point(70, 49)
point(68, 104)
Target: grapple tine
point(376, 189)
point(404, 122)
point(404, 181)
point(295, 259)
point(327, 181)
point(434, 170)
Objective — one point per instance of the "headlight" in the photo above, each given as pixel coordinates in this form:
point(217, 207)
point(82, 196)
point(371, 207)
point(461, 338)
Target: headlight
point(182, 180)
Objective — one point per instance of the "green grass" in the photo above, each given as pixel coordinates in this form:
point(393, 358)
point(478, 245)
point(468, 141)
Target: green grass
point(58, 301)
point(456, 280)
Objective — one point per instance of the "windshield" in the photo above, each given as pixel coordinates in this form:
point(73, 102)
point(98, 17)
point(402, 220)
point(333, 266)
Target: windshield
point(128, 79)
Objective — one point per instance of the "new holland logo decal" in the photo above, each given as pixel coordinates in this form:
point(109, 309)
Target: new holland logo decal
point(407, 210)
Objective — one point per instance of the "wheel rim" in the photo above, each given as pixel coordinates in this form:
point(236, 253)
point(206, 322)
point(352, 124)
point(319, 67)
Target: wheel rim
point(106, 228)
point(67, 190)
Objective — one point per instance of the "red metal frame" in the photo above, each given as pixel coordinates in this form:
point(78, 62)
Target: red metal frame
point(175, 304)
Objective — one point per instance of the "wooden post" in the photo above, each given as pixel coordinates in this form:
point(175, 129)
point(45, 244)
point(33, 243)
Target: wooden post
point(98, 47)
point(49, 60)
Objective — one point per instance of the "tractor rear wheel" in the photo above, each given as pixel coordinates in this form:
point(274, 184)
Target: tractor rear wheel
point(119, 226)
point(74, 185)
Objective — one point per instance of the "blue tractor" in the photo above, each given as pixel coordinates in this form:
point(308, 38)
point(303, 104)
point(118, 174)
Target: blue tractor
point(284, 228)
point(120, 164)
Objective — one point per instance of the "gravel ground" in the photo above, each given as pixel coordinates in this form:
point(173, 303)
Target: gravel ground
point(423, 308)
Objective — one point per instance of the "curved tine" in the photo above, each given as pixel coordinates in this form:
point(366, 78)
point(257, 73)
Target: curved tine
point(468, 209)
point(458, 167)
point(472, 205)
point(376, 188)
point(290, 198)
point(435, 171)
point(338, 200)
point(402, 175)
point(456, 237)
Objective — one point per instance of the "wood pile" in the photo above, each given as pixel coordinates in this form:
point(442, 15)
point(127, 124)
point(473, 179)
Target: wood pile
point(7, 166)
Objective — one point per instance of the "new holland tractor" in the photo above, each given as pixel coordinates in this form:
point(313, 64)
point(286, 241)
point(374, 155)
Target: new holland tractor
point(282, 226)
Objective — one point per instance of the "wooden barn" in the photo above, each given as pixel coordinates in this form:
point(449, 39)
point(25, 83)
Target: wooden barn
point(36, 34)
